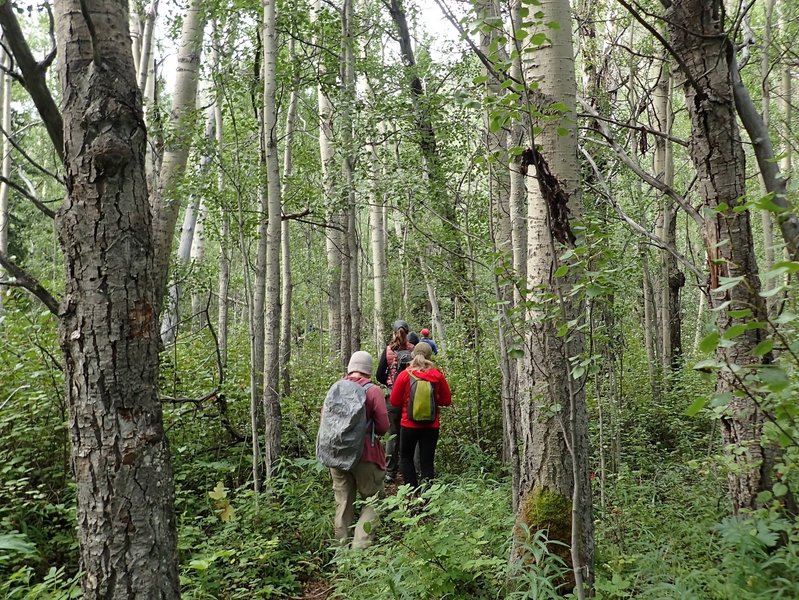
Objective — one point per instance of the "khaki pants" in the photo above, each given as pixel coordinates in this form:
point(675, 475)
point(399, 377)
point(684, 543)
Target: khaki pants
point(367, 479)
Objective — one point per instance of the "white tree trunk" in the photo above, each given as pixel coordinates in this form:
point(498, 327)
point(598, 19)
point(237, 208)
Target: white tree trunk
point(554, 455)
point(200, 293)
point(145, 63)
point(166, 203)
point(377, 233)
point(287, 282)
point(334, 238)
point(135, 33)
point(171, 320)
point(351, 305)
point(224, 242)
point(274, 211)
point(765, 71)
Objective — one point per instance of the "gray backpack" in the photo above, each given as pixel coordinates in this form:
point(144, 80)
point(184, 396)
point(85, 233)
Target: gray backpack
point(343, 427)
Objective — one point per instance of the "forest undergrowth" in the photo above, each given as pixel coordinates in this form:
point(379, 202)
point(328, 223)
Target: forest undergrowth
point(661, 512)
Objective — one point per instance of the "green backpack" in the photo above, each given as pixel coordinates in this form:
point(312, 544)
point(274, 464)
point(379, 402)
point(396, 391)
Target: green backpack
point(422, 403)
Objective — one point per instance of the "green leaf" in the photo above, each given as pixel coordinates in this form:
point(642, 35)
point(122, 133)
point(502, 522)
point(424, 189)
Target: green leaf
point(763, 348)
point(780, 489)
point(782, 268)
point(727, 283)
point(734, 331)
point(774, 377)
point(709, 342)
point(539, 39)
point(772, 291)
point(516, 353)
point(696, 406)
point(707, 365)
point(17, 543)
point(562, 270)
point(740, 314)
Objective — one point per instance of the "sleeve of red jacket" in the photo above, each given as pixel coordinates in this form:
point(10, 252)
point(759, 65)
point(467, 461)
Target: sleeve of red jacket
point(400, 391)
point(443, 394)
point(376, 409)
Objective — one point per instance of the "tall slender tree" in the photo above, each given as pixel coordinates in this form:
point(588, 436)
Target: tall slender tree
point(274, 212)
point(553, 430)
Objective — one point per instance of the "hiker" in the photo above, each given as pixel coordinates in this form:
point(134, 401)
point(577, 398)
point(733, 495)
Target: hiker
point(419, 392)
point(353, 419)
point(413, 338)
point(425, 333)
point(394, 359)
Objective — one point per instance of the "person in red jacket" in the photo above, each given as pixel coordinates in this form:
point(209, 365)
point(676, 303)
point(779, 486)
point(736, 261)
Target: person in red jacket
point(369, 474)
point(425, 435)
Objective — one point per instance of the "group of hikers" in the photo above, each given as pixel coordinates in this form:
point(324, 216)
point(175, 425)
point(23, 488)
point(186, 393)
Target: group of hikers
point(356, 414)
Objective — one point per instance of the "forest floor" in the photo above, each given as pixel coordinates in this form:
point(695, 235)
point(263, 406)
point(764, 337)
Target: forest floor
point(318, 589)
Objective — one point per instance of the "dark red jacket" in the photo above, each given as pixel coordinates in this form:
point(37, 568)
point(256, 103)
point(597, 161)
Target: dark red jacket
point(401, 394)
point(375, 413)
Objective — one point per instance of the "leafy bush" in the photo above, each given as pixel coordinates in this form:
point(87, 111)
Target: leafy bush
point(416, 553)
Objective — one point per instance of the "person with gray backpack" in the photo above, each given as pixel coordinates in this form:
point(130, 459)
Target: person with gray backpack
point(354, 417)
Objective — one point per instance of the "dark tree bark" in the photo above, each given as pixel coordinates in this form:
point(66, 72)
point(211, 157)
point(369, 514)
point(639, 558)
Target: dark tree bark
point(697, 32)
point(109, 333)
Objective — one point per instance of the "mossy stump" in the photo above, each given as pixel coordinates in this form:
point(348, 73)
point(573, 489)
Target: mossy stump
point(547, 509)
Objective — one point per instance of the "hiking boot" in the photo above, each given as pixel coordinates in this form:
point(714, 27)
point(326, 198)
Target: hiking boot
point(391, 478)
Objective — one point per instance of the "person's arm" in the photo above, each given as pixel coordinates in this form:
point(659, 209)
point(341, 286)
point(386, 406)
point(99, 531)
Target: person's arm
point(376, 409)
point(400, 390)
point(443, 394)
point(382, 369)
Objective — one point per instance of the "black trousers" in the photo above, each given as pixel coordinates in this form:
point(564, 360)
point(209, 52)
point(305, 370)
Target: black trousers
point(426, 439)
point(392, 446)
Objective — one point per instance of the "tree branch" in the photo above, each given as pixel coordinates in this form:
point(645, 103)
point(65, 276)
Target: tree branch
point(29, 282)
point(36, 202)
point(764, 153)
point(34, 75)
point(636, 168)
point(657, 241)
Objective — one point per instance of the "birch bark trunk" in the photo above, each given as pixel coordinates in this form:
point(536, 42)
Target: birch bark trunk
point(188, 233)
point(350, 304)
point(671, 278)
point(554, 461)
point(274, 205)
point(377, 233)
point(166, 202)
point(109, 321)
point(765, 70)
point(334, 237)
point(225, 242)
point(199, 293)
point(287, 283)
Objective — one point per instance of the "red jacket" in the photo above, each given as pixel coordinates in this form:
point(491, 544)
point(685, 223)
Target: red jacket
point(376, 413)
point(401, 394)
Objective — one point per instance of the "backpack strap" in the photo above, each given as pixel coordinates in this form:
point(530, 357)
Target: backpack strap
point(366, 387)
